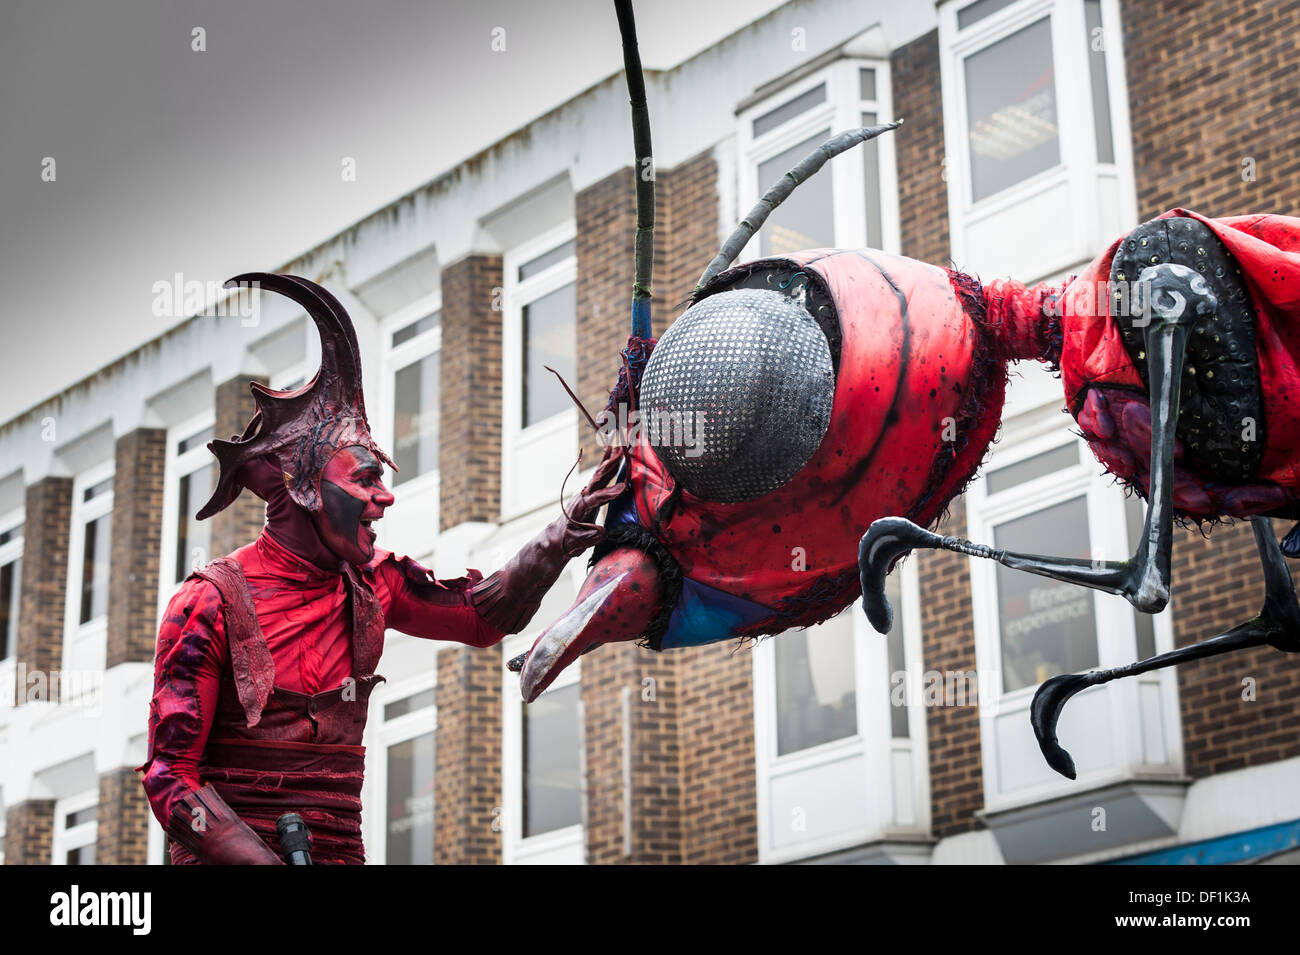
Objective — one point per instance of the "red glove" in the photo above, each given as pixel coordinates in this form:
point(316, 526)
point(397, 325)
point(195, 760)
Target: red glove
point(203, 823)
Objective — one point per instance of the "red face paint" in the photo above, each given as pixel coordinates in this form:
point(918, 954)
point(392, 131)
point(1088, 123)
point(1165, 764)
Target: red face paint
point(353, 495)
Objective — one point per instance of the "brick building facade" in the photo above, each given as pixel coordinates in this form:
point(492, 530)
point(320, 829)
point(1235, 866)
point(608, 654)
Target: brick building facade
point(798, 749)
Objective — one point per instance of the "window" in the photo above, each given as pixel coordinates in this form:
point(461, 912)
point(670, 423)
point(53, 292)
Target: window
point(413, 360)
point(816, 696)
point(95, 530)
point(850, 203)
point(550, 734)
point(85, 632)
point(191, 471)
point(540, 427)
point(75, 829)
point(1035, 131)
point(1011, 113)
point(11, 576)
point(1039, 495)
point(406, 785)
point(542, 760)
point(839, 761)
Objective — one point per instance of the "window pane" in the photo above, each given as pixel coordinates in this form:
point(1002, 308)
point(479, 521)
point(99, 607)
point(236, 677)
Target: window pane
point(95, 490)
point(979, 10)
point(790, 109)
point(807, 223)
point(546, 260)
point(1011, 110)
point(11, 576)
point(549, 339)
point(410, 802)
point(1135, 517)
point(1047, 626)
point(415, 418)
point(416, 701)
point(193, 537)
point(898, 728)
point(1022, 472)
point(85, 855)
point(1100, 87)
point(196, 440)
point(550, 755)
point(867, 85)
point(94, 569)
point(871, 180)
point(11, 533)
point(816, 700)
point(80, 816)
point(407, 332)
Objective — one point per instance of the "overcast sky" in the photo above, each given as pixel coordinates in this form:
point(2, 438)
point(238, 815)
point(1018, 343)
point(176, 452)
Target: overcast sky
point(216, 162)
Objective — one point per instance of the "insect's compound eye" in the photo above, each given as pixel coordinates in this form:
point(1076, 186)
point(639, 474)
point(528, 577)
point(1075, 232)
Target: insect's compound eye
point(737, 394)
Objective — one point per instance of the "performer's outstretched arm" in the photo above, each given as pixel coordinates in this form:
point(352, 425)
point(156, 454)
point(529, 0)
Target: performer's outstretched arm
point(480, 611)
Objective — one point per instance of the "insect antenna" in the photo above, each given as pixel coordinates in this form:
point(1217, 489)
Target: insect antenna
point(807, 167)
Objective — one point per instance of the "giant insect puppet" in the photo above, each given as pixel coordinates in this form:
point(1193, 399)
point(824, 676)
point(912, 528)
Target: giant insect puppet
point(825, 381)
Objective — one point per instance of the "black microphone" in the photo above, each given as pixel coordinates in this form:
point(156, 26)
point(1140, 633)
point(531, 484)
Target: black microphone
point(295, 839)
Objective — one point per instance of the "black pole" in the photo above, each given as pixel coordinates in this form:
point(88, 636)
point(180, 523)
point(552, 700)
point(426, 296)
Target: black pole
point(644, 169)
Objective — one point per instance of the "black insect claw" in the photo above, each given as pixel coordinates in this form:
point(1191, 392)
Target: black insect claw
point(516, 664)
point(1045, 710)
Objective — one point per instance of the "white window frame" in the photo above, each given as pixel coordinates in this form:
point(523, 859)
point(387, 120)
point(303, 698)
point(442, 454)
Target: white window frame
point(842, 110)
point(549, 446)
point(1113, 620)
point(893, 776)
point(177, 467)
point(1078, 173)
point(66, 839)
point(422, 346)
point(85, 640)
point(389, 733)
point(567, 843)
point(11, 551)
point(297, 374)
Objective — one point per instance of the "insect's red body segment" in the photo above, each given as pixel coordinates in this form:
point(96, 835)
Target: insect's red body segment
point(917, 400)
point(1106, 395)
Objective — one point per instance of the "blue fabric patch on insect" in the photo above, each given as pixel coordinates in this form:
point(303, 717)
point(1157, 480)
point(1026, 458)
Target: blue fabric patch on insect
point(705, 614)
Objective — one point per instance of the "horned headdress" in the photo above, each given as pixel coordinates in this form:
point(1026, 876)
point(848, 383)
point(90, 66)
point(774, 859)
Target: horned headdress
point(302, 428)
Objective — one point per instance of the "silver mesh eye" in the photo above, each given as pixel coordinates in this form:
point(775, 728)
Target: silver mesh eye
point(737, 394)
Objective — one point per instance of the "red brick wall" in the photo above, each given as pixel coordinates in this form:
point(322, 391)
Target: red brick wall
point(948, 639)
point(467, 772)
point(1217, 585)
point(29, 832)
point(948, 647)
point(686, 240)
point(469, 443)
point(719, 791)
point(605, 215)
point(243, 520)
point(137, 530)
point(44, 586)
point(1211, 84)
point(918, 146)
point(122, 830)
point(654, 711)
point(692, 752)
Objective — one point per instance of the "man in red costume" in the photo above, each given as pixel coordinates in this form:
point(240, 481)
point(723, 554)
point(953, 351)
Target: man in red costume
point(266, 657)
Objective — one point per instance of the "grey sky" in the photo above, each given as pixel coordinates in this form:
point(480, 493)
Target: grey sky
point(216, 162)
